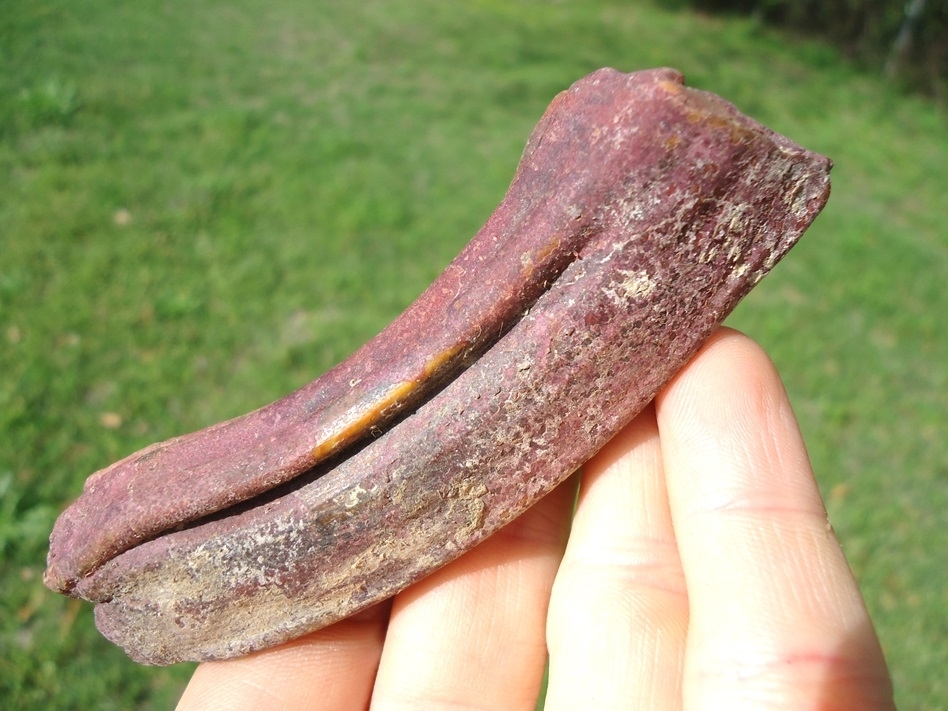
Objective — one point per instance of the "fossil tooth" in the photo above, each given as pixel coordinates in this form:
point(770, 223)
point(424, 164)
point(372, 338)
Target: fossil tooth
point(641, 213)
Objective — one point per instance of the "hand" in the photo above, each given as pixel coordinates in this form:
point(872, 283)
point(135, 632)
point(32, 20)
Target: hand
point(700, 573)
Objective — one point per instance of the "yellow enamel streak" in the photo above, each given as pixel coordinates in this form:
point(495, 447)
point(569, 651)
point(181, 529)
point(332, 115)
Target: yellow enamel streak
point(529, 261)
point(441, 359)
point(361, 419)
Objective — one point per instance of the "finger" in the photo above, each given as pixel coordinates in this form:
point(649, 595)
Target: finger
point(777, 620)
point(472, 634)
point(333, 668)
point(619, 611)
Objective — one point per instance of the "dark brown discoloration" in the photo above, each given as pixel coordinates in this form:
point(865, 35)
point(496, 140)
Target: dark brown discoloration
point(641, 213)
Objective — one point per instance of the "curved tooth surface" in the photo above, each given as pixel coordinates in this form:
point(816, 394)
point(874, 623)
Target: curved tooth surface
point(640, 214)
point(537, 230)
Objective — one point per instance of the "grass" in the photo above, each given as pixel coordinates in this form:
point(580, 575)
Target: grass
point(202, 208)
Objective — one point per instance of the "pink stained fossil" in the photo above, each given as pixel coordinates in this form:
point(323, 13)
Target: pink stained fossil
point(641, 213)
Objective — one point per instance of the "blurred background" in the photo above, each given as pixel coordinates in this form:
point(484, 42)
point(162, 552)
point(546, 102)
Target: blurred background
point(204, 206)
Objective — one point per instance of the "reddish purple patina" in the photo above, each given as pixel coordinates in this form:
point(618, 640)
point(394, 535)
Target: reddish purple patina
point(641, 213)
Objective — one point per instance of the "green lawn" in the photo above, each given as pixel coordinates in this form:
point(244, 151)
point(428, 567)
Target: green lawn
point(203, 206)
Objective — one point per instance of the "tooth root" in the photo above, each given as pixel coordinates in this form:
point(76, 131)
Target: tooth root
point(657, 173)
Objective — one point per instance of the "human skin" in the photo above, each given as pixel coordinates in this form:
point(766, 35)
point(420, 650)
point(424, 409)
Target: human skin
point(699, 572)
